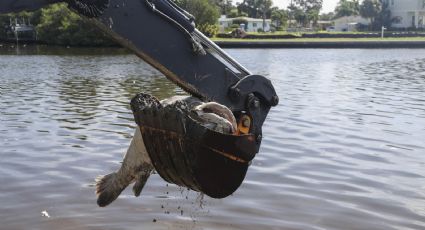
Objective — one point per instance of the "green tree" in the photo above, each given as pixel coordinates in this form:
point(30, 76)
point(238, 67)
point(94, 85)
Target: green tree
point(297, 14)
point(347, 8)
point(279, 18)
point(233, 13)
point(309, 8)
point(370, 9)
point(225, 6)
point(4, 22)
point(256, 8)
point(265, 7)
point(384, 17)
point(248, 7)
point(327, 16)
point(58, 25)
point(206, 13)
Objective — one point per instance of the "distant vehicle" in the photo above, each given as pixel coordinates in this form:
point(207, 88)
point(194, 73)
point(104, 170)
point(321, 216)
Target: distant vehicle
point(331, 29)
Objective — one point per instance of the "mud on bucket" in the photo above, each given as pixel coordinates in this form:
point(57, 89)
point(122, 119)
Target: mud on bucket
point(187, 153)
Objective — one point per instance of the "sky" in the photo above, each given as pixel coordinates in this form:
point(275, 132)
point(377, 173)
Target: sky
point(328, 5)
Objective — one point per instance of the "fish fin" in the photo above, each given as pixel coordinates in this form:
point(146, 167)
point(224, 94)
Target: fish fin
point(107, 190)
point(141, 180)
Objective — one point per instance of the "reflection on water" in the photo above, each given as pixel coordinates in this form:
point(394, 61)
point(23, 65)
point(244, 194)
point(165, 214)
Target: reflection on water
point(343, 150)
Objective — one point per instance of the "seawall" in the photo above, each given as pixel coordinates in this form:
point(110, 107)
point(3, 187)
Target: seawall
point(322, 44)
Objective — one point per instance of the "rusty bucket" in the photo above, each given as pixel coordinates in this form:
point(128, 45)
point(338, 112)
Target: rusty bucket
point(186, 153)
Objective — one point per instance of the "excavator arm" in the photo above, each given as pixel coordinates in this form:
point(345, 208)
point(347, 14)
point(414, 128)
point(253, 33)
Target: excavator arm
point(164, 35)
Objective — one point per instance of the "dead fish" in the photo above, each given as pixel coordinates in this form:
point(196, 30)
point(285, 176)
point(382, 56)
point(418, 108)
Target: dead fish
point(137, 166)
point(216, 117)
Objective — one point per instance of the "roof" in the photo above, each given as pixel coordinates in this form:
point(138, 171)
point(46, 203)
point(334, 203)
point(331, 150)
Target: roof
point(243, 18)
point(23, 28)
point(324, 22)
point(351, 19)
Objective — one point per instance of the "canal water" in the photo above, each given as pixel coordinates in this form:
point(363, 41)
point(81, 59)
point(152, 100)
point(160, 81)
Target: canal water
point(345, 148)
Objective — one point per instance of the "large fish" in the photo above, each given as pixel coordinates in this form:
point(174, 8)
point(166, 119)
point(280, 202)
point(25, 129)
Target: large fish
point(137, 166)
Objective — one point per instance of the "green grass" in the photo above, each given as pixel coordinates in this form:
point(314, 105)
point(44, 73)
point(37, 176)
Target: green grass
point(319, 39)
point(311, 32)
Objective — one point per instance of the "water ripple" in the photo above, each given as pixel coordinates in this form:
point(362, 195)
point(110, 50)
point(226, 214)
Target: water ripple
point(343, 150)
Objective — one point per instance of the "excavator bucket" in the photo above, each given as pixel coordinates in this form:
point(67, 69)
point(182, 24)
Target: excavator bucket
point(187, 153)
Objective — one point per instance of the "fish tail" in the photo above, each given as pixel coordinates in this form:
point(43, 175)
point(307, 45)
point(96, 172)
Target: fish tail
point(141, 181)
point(107, 190)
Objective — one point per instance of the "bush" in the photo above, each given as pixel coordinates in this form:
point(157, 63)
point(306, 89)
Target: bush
point(221, 35)
point(234, 26)
point(208, 30)
point(279, 28)
point(260, 30)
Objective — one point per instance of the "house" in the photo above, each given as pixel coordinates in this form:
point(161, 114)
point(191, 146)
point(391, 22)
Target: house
point(349, 23)
point(407, 13)
point(245, 23)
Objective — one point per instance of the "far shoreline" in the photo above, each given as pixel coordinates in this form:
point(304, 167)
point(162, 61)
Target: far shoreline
point(299, 43)
point(317, 44)
point(334, 43)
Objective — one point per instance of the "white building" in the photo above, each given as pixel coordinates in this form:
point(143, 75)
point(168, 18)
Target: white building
point(407, 13)
point(348, 23)
point(251, 25)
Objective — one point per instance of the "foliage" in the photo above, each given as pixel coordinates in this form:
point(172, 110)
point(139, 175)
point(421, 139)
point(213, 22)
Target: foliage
point(233, 13)
point(347, 8)
point(384, 17)
point(256, 8)
point(4, 22)
point(279, 18)
point(297, 14)
point(370, 9)
point(308, 5)
point(327, 16)
point(234, 26)
point(306, 11)
point(249, 8)
point(204, 11)
point(265, 7)
point(206, 14)
point(225, 6)
point(58, 25)
point(208, 30)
